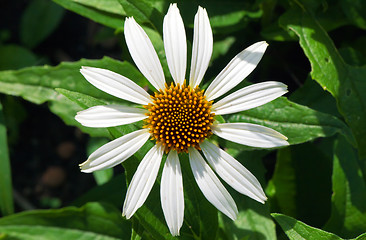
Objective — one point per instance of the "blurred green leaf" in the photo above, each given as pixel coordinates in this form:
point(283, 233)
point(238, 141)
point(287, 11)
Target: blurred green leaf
point(100, 15)
point(296, 230)
point(297, 122)
point(254, 221)
point(355, 11)
point(48, 233)
point(348, 218)
point(108, 6)
point(225, 18)
point(346, 83)
point(92, 221)
point(39, 20)
point(16, 57)
point(143, 12)
point(6, 189)
point(221, 47)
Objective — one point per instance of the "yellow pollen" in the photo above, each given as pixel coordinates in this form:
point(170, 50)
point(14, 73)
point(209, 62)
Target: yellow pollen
point(178, 111)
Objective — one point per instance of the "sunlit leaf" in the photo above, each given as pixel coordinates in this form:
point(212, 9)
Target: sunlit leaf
point(108, 19)
point(296, 230)
point(345, 83)
point(348, 216)
point(92, 221)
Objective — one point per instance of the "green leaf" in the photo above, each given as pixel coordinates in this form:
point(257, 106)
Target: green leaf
point(348, 217)
point(104, 17)
point(96, 219)
point(39, 19)
point(6, 191)
point(345, 83)
point(108, 6)
point(49, 233)
point(298, 123)
point(224, 18)
point(143, 12)
point(292, 188)
point(296, 230)
point(37, 85)
point(15, 57)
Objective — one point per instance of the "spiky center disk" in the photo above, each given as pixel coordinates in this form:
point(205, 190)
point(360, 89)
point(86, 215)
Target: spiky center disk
point(180, 117)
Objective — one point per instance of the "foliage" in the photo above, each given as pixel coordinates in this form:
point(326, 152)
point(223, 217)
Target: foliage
point(316, 187)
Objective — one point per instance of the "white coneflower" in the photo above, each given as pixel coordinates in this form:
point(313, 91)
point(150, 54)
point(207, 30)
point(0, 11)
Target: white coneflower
point(180, 119)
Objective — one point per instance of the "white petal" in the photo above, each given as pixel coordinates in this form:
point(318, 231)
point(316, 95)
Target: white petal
point(143, 53)
point(116, 85)
point(249, 97)
point(237, 69)
point(211, 186)
point(232, 172)
point(171, 193)
point(250, 134)
point(142, 181)
point(175, 44)
point(110, 116)
point(115, 152)
point(201, 48)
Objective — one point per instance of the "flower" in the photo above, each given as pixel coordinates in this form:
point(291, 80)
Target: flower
point(180, 118)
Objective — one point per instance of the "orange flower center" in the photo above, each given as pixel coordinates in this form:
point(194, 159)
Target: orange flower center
point(180, 117)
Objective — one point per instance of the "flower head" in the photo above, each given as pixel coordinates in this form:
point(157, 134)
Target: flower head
point(180, 118)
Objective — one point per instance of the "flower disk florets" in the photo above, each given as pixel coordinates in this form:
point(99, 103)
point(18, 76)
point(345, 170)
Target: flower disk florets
point(179, 117)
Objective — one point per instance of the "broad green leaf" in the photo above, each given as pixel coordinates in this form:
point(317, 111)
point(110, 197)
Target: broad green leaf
point(6, 191)
point(16, 57)
point(296, 230)
point(101, 220)
point(39, 19)
point(254, 220)
point(297, 122)
point(292, 188)
point(49, 233)
point(348, 217)
point(144, 12)
point(37, 85)
point(108, 19)
point(108, 6)
point(345, 83)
